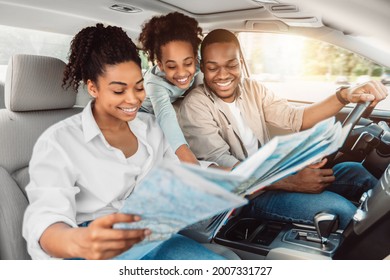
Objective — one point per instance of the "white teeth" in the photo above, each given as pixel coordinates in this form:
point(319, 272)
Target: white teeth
point(224, 84)
point(182, 80)
point(129, 110)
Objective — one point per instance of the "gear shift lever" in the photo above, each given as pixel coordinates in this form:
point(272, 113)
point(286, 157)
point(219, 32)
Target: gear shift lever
point(325, 223)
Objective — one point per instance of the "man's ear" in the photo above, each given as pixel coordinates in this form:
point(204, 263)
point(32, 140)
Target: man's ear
point(92, 90)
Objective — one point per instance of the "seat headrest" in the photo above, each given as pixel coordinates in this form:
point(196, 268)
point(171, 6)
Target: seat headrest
point(34, 83)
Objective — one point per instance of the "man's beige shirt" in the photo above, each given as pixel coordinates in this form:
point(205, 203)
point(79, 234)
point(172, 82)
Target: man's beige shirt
point(211, 131)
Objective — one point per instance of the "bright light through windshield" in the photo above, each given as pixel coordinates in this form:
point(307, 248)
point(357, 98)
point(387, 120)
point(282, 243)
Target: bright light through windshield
point(303, 69)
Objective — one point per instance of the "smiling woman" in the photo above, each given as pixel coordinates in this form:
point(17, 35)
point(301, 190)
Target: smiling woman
point(71, 160)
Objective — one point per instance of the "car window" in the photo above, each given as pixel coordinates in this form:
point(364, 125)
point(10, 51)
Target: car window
point(303, 69)
point(25, 41)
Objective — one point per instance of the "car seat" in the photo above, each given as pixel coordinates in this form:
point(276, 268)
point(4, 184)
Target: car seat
point(34, 100)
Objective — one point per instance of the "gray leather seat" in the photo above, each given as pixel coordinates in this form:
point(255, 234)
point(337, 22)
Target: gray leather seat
point(34, 100)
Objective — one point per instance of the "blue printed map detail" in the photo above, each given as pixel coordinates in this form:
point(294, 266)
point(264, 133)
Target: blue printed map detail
point(172, 198)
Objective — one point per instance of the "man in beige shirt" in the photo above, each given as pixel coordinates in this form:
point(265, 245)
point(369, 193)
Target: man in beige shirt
point(221, 118)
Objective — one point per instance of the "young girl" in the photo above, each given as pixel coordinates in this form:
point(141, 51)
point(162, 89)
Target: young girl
point(172, 41)
point(83, 168)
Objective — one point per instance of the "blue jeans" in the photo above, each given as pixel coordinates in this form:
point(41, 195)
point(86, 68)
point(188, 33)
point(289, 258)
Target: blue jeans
point(178, 247)
point(352, 179)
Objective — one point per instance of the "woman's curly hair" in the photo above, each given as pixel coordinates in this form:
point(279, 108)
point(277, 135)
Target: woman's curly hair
point(92, 49)
point(161, 30)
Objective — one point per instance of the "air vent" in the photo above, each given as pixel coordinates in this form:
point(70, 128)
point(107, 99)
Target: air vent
point(284, 8)
point(125, 8)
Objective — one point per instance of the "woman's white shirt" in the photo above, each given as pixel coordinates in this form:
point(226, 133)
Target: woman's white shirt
point(77, 176)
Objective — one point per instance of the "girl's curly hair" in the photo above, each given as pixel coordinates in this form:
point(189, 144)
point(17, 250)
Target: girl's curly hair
point(92, 49)
point(161, 30)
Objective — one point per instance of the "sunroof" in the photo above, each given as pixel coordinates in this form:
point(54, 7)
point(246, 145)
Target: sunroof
point(211, 7)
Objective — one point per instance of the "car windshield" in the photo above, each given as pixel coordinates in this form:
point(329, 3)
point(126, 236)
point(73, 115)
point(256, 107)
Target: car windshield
point(303, 69)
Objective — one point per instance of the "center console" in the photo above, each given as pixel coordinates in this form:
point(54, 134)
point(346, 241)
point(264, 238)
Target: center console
point(366, 237)
point(261, 237)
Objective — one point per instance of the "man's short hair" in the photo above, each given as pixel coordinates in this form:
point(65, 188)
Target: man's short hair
point(218, 36)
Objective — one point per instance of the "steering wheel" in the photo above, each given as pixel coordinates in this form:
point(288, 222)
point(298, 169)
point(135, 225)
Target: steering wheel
point(349, 123)
point(355, 115)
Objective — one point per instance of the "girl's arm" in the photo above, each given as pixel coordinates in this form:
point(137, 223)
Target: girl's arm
point(186, 155)
point(166, 118)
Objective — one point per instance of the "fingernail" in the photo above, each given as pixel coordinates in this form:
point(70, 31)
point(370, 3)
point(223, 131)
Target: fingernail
point(137, 218)
point(147, 232)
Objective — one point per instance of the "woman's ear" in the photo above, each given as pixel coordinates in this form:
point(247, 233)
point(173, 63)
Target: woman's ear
point(92, 90)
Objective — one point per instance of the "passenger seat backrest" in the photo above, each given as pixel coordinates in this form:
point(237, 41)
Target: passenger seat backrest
point(34, 100)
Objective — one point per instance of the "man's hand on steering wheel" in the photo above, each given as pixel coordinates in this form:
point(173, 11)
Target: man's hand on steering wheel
point(373, 91)
point(365, 95)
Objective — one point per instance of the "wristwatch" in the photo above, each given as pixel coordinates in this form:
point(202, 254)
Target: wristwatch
point(339, 97)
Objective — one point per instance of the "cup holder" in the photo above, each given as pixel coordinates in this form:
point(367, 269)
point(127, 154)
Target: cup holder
point(249, 230)
point(243, 229)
